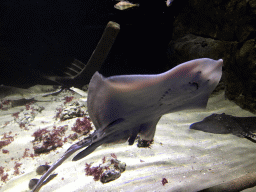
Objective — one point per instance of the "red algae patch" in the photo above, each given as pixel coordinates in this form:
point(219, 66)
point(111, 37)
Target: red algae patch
point(16, 168)
point(82, 126)
point(46, 140)
point(68, 99)
point(109, 170)
point(6, 140)
point(164, 181)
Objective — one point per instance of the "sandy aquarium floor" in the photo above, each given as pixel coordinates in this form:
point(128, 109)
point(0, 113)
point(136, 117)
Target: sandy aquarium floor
point(190, 160)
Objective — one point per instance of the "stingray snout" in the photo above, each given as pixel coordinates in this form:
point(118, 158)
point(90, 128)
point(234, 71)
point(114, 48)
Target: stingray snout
point(212, 71)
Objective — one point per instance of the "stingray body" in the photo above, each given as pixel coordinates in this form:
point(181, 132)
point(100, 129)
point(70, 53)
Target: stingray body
point(227, 124)
point(122, 107)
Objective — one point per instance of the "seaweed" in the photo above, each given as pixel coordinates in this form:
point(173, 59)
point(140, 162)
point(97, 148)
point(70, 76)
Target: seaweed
point(5, 151)
point(68, 99)
point(16, 168)
point(96, 172)
point(164, 181)
point(144, 143)
point(82, 126)
point(59, 110)
point(4, 177)
point(46, 140)
point(16, 115)
point(7, 139)
point(108, 171)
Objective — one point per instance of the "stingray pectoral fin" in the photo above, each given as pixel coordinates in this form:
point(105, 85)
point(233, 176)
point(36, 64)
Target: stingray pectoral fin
point(133, 135)
point(132, 139)
point(147, 130)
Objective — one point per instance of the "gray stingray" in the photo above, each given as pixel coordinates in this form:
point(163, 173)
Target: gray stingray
point(225, 124)
point(37, 91)
point(122, 107)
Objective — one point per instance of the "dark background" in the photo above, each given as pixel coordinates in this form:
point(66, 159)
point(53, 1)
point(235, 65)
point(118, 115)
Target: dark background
point(42, 37)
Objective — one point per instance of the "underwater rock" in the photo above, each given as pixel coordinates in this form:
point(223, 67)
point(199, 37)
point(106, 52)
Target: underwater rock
point(118, 165)
point(46, 140)
point(42, 169)
point(109, 175)
point(6, 140)
point(32, 183)
point(144, 143)
point(76, 109)
point(234, 42)
point(110, 170)
point(28, 115)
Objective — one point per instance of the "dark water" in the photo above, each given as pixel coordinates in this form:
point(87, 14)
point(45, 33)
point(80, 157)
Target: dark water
point(44, 37)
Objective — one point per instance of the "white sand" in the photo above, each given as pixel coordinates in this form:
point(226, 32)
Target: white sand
point(190, 160)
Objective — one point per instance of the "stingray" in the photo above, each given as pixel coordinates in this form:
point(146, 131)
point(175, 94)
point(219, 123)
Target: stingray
point(15, 93)
point(122, 107)
point(227, 124)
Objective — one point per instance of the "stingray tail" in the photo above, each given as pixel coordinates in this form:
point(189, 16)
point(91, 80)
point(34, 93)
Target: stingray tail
point(99, 138)
point(249, 135)
point(90, 149)
point(81, 144)
point(107, 139)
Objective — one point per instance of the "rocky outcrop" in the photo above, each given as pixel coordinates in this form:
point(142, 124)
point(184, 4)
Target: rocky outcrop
point(220, 29)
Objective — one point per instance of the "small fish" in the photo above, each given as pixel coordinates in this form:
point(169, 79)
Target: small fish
point(123, 5)
point(169, 3)
point(35, 92)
